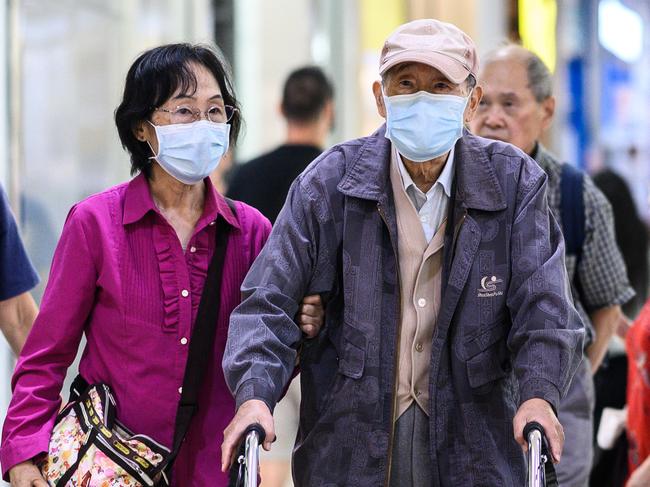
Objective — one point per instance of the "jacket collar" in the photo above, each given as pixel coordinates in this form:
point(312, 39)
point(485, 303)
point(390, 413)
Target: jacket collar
point(138, 202)
point(367, 175)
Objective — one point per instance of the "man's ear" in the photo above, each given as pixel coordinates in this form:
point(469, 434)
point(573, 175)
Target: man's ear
point(379, 99)
point(548, 110)
point(472, 104)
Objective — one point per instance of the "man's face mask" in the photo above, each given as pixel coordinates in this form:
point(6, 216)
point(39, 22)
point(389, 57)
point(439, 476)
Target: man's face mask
point(424, 125)
point(191, 151)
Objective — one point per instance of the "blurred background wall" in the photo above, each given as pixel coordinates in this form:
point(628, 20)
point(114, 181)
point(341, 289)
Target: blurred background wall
point(63, 62)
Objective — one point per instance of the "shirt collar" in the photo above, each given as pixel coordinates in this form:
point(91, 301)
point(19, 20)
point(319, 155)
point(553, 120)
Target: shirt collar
point(445, 178)
point(138, 202)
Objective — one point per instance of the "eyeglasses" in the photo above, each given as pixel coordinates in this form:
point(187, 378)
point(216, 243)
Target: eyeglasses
point(189, 114)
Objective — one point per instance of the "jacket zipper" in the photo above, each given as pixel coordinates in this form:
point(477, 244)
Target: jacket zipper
point(396, 359)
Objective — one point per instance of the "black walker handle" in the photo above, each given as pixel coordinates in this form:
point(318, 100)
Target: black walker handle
point(541, 471)
point(244, 472)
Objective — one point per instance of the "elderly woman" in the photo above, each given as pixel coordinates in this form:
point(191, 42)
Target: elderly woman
point(130, 268)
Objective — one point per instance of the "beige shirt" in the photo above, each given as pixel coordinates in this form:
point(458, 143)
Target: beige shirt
point(420, 269)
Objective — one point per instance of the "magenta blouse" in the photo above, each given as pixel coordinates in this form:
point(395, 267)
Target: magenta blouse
point(120, 277)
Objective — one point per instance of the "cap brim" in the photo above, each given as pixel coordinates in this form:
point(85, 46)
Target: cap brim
point(452, 69)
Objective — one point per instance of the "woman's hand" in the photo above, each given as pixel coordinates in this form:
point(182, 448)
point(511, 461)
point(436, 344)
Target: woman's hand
point(311, 315)
point(26, 474)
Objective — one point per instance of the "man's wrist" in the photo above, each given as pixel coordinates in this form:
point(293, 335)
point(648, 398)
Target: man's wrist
point(254, 389)
point(540, 389)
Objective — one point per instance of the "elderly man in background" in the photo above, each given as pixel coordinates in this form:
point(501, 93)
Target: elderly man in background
point(449, 319)
point(517, 107)
point(17, 277)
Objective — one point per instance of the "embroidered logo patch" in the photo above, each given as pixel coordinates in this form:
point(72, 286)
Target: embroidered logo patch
point(489, 287)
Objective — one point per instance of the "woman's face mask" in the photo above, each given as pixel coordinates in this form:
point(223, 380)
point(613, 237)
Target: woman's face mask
point(191, 151)
point(423, 125)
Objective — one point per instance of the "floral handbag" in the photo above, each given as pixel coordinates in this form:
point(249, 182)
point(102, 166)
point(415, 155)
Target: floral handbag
point(90, 448)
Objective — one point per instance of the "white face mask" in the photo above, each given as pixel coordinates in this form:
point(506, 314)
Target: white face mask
point(424, 125)
point(191, 151)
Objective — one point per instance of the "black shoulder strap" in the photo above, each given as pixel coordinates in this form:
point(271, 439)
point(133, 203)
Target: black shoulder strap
point(572, 208)
point(201, 340)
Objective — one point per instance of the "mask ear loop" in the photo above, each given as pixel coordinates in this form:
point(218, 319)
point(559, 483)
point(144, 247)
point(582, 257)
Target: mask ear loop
point(154, 156)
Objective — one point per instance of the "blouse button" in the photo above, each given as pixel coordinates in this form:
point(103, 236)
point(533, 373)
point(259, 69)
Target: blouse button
point(185, 293)
point(192, 249)
point(180, 390)
point(183, 341)
point(212, 223)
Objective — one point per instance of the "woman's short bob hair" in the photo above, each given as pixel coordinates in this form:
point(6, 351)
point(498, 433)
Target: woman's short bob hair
point(153, 78)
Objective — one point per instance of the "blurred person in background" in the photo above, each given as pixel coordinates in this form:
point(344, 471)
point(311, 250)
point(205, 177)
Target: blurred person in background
point(308, 108)
point(638, 400)
point(611, 378)
point(428, 242)
point(130, 268)
point(17, 277)
point(517, 107)
point(631, 236)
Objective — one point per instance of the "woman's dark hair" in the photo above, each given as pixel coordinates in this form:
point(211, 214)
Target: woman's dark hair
point(631, 235)
point(154, 77)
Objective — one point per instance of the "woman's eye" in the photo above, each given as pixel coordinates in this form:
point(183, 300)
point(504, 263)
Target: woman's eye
point(183, 111)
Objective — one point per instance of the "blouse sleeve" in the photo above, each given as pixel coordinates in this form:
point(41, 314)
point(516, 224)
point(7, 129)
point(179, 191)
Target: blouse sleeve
point(51, 346)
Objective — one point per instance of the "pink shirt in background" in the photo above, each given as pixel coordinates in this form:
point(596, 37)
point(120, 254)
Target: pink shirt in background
point(120, 276)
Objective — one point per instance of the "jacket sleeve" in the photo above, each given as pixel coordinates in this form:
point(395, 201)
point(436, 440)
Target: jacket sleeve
point(50, 347)
point(547, 334)
point(260, 353)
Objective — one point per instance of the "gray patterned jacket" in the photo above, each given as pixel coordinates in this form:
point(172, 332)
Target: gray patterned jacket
point(506, 332)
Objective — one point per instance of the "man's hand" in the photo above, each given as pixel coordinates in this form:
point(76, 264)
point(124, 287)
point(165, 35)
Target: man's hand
point(606, 322)
point(26, 474)
point(311, 315)
point(624, 324)
point(539, 410)
point(253, 411)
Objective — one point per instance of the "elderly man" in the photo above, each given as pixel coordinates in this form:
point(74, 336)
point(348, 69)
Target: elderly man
point(17, 277)
point(449, 320)
point(517, 107)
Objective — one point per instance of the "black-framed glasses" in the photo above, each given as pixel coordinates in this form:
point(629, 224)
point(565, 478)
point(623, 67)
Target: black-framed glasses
point(189, 113)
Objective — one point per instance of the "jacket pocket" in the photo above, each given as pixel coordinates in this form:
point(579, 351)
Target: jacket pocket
point(486, 356)
point(488, 366)
point(352, 352)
